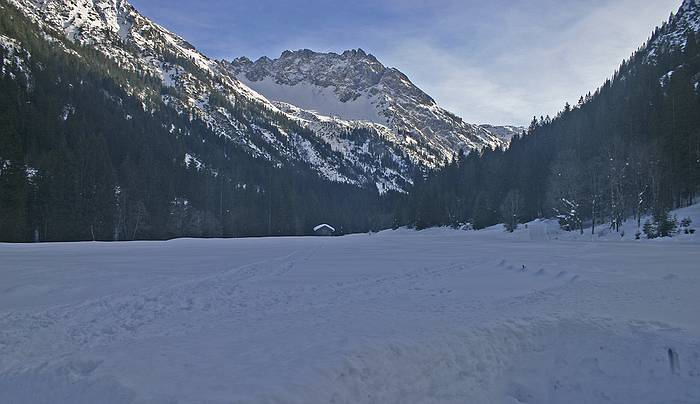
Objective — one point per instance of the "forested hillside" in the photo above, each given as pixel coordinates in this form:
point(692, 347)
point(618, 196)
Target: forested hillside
point(630, 148)
point(160, 142)
point(82, 158)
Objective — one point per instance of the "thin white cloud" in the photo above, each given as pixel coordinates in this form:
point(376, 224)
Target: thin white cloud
point(526, 64)
point(457, 85)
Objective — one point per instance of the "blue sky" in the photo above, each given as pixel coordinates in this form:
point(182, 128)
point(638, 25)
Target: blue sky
point(497, 61)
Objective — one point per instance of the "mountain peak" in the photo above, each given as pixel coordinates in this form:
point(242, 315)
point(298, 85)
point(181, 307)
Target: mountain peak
point(354, 85)
point(357, 54)
point(242, 60)
point(347, 55)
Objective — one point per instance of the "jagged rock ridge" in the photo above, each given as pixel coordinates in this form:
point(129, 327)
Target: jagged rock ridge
point(354, 85)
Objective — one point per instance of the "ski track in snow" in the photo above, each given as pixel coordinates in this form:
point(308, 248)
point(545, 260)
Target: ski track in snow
point(399, 317)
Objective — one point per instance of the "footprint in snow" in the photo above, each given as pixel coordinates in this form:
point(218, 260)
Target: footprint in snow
point(82, 369)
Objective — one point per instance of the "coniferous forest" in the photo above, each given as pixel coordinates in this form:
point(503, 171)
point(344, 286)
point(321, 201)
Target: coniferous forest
point(630, 149)
point(73, 168)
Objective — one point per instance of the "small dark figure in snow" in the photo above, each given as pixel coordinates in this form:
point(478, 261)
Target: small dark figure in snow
point(673, 361)
point(524, 268)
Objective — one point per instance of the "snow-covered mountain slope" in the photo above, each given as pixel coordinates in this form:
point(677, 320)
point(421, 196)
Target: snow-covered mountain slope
point(505, 132)
point(364, 144)
point(356, 86)
point(203, 89)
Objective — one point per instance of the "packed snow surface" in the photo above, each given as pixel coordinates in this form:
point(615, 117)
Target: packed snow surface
point(437, 316)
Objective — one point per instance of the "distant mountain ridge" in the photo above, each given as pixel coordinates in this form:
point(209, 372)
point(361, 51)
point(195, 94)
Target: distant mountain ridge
point(354, 85)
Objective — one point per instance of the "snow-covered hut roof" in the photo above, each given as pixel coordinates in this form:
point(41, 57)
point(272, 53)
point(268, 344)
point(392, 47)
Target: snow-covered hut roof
point(321, 226)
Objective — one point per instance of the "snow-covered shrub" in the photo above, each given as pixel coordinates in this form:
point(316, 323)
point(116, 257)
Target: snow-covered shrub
point(685, 226)
point(465, 226)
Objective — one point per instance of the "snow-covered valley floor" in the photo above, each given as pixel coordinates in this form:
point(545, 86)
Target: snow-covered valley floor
point(438, 316)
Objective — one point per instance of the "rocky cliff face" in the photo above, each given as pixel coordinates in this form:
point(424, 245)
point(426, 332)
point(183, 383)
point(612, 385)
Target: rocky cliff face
point(354, 85)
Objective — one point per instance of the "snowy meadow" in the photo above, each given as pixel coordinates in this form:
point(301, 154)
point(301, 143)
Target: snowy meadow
point(400, 316)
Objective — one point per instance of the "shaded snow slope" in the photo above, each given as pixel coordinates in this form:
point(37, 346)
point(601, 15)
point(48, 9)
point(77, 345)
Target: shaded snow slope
point(437, 316)
point(322, 100)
